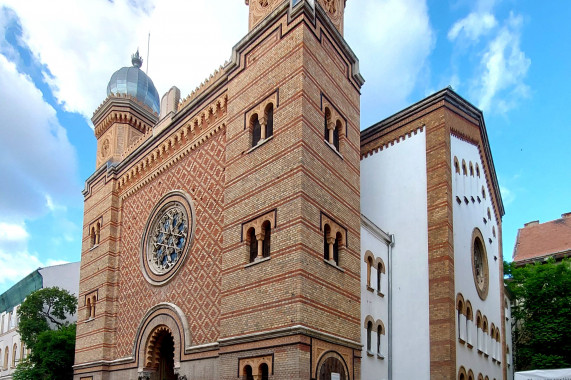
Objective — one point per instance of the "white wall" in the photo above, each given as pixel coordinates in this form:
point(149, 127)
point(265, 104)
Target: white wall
point(393, 196)
point(467, 217)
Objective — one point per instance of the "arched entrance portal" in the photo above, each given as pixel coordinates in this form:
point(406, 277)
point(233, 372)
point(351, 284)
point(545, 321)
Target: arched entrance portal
point(331, 366)
point(160, 355)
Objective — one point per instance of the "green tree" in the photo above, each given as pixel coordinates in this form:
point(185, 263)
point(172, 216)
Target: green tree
point(44, 328)
point(542, 314)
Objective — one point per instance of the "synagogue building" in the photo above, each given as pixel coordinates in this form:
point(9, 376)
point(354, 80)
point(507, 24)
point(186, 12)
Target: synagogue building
point(250, 230)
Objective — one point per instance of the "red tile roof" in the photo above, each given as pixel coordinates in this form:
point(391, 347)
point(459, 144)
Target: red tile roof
point(537, 241)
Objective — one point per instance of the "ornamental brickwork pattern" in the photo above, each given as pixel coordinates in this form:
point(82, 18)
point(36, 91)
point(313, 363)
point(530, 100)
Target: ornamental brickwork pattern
point(196, 287)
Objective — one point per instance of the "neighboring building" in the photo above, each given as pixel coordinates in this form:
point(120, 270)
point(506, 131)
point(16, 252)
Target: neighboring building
point(536, 241)
point(65, 276)
point(252, 231)
point(428, 181)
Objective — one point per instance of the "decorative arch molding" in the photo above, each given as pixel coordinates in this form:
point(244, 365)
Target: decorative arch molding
point(331, 354)
point(163, 317)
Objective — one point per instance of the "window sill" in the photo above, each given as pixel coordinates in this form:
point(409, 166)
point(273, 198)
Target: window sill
point(257, 261)
point(370, 289)
point(333, 148)
point(95, 246)
point(89, 320)
point(469, 345)
point(380, 294)
point(259, 144)
point(380, 356)
point(369, 353)
point(332, 263)
point(461, 341)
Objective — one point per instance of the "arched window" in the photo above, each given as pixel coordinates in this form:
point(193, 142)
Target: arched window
point(253, 243)
point(326, 119)
point(6, 357)
point(267, 231)
point(336, 133)
point(369, 331)
point(483, 192)
point(98, 233)
point(477, 171)
point(479, 333)
point(471, 169)
point(263, 372)
point(248, 375)
point(456, 165)
point(269, 114)
point(380, 333)
point(380, 271)
point(480, 377)
point(14, 353)
point(469, 324)
point(88, 309)
point(369, 266)
point(460, 318)
point(470, 375)
point(93, 237)
point(464, 169)
point(331, 245)
point(462, 373)
point(256, 129)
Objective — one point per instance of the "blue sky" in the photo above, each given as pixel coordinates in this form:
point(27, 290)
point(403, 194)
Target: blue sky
point(509, 58)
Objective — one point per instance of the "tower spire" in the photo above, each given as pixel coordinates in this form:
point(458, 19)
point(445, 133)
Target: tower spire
point(136, 59)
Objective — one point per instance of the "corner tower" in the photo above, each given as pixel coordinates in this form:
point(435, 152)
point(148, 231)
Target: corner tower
point(290, 284)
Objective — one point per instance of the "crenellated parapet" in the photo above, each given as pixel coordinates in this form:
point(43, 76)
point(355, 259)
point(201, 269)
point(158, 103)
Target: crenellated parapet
point(213, 78)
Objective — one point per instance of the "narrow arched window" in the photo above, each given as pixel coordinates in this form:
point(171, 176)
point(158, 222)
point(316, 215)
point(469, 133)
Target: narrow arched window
point(93, 237)
point(98, 233)
point(336, 248)
point(263, 372)
point(464, 170)
point(256, 130)
point(336, 133)
point(248, 375)
point(266, 227)
point(88, 307)
point(369, 265)
point(369, 330)
point(269, 120)
point(326, 234)
point(14, 352)
point(6, 357)
point(380, 270)
point(456, 165)
point(326, 120)
point(253, 242)
point(471, 169)
point(477, 171)
point(379, 333)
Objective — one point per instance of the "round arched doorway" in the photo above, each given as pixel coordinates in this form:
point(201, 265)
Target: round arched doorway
point(160, 355)
point(332, 367)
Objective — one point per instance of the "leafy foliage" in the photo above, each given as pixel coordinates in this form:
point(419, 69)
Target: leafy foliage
point(45, 330)
point(542, 314)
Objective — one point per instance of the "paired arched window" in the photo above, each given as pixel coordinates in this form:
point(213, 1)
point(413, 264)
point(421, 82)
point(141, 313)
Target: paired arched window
point(376, 329)
point(90, 301)
point(95, 234)
point(334, 125)
point(262, 124)
point(258, 234)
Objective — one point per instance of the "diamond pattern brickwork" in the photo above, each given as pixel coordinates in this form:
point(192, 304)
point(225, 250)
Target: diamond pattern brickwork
point(196, 287)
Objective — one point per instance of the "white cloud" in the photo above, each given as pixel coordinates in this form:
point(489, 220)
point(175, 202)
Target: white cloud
point(507, 195)
point(189, 40)
point(504, 67)
point(473, 26)
point(36, 158)
point(392, 39)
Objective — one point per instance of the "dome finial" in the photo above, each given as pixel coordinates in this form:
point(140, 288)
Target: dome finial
point(136, 60)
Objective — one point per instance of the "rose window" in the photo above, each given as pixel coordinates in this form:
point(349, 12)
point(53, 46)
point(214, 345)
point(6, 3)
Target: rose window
point(170, 234)
point(168, 237)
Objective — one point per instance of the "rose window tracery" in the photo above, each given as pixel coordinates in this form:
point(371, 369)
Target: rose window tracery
point(167, 242)
point(168, 237)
